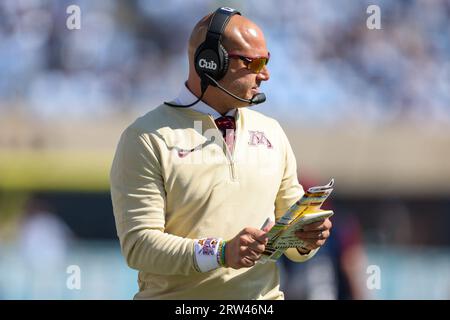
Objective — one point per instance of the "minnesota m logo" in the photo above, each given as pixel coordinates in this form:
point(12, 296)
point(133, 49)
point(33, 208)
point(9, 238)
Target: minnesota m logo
point(258, 137)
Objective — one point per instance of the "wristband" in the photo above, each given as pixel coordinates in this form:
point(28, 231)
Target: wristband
point(206, 251)
point(222, 253)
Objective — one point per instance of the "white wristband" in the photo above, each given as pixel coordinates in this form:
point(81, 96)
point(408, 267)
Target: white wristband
point(206, 253)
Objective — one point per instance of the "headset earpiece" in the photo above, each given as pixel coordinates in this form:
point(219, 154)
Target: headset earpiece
point(225, 62)
point(207, 61)
point(211, 57)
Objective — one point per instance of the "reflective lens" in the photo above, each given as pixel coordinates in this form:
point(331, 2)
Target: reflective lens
point(254, 64)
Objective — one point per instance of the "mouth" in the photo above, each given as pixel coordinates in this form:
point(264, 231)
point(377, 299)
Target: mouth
point(255, 89)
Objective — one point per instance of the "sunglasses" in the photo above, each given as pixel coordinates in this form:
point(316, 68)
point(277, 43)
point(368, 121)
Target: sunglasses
point(254, 64)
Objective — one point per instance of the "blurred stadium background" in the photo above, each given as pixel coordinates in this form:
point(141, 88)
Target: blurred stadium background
point(376, 101)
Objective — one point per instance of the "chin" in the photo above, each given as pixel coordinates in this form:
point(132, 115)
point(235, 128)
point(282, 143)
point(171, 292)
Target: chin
point(241, 104)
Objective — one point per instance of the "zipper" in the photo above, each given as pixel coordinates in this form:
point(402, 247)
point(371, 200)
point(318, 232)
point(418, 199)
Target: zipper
point(233, 155)
point(228, 153)
point(233, 170)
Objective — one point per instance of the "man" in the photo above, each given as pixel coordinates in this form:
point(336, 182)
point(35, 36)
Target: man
point(203, 169)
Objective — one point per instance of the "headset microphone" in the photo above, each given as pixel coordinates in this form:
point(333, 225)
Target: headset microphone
point(256, 99)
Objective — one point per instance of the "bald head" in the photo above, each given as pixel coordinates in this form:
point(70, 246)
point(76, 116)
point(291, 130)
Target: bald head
point(240, 37)
point(240, 34)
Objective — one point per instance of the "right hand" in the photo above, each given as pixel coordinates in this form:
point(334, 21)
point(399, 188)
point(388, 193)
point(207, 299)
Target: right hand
point(246, 247)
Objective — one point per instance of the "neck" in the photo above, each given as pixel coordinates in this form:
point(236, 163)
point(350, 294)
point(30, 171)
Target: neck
point(213, 97)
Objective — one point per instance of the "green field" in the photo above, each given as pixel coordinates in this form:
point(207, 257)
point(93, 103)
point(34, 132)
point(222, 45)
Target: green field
point(55, 170)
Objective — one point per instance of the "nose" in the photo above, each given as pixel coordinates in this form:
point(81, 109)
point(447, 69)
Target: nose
point(264, 75)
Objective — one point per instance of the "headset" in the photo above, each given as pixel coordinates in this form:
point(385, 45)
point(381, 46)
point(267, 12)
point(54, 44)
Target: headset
point(211, 58)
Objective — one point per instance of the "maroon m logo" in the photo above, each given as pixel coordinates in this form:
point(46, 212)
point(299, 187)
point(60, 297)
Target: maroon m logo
point(258, 137)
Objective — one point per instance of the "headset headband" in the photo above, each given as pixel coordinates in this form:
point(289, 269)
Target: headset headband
point(211, 57)
point(220, 20)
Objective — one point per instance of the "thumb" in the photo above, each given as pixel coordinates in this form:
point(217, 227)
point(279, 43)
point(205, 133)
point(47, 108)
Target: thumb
point(257, 234)
point(268, 226)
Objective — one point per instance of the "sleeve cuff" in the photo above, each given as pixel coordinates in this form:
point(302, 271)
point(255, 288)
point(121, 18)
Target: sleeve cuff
point(206, 254)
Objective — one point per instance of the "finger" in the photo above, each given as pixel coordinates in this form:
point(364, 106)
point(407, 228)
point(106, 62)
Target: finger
point(327, 224)
point(247, 263)
point(252, 255)
point(310, 246)
point(312, 235)
point(319, 225)
point(314, 244)
point(313, 226)
point(247, 241)
point(257, 247)
point(245, 251)
point(256, 234)
point(269, 226)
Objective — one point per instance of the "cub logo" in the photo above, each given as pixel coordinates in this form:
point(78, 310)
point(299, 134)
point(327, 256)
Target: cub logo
point(211, 65)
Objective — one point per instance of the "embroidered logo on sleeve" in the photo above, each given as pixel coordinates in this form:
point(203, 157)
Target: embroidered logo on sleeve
point(206, 251)
point(257, 138)
point(208, 246)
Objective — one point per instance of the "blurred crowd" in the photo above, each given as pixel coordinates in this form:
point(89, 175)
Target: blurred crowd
point(131, 56)
point(326, 67)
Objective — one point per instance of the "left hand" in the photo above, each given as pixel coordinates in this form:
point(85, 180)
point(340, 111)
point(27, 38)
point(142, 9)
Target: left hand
point(315, 234)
